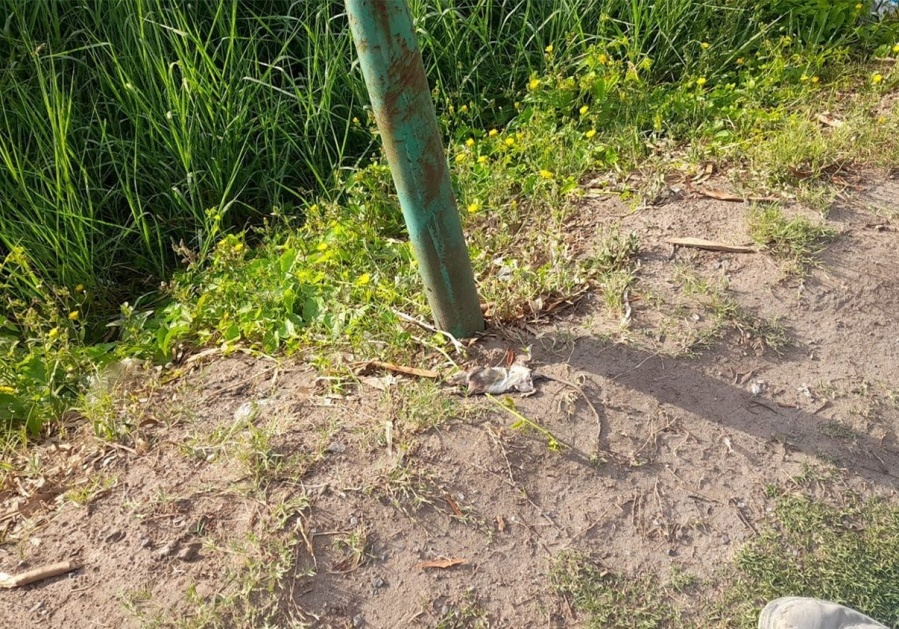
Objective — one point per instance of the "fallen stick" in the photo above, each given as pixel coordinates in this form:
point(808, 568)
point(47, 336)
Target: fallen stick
point(37, 574)
point(709, 245)
point(407, 371)
point(722, 195)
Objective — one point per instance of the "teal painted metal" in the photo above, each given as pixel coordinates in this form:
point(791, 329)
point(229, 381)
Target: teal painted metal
point(395, 77)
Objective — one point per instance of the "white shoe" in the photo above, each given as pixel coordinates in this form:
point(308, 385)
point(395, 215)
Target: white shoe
point(794, 612)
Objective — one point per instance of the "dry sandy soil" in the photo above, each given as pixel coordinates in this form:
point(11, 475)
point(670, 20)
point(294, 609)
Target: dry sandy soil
point(245, 470)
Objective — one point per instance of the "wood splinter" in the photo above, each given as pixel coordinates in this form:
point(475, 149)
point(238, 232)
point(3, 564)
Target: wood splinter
point(37, 574)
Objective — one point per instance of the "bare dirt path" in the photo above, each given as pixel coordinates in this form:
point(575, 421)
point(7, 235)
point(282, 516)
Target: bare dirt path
point(246, 493)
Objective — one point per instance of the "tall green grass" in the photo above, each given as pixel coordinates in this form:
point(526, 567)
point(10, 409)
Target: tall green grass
point(131, 126)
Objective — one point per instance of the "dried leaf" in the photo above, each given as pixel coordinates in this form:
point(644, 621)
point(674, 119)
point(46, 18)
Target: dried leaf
point(826, 119)
point(443, 563)
point(452, 505)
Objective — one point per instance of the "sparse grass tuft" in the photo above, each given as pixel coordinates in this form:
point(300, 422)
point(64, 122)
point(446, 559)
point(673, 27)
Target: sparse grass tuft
point(846, 552)
point(611, 601)
point(797, 241)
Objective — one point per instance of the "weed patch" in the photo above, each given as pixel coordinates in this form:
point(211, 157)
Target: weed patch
point(609, 600)
point(796, 240)
point(846, 552)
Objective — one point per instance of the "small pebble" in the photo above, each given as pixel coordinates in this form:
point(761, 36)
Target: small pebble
point(358, 621)
point(166, 550)
point(190, 552)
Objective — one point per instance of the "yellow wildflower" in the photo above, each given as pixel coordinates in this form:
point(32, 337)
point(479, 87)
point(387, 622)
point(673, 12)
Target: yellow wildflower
point(705, 45)
point(510, 141)
point(549, 49)
point(52, 334)
point(546, 174)
point(741, 61)
point(815, 79)
point(876, 78)
point(363, 279)
point(463, 109)
point(533, 84)
point(238, 247)
point(355, 120)
point(461, 157)
point(584, 110)
point(590, 133)
point(322, 246)
point(474, 206)
point(701, 81)
point(493, 132)
point(603, 59)
point(803, 78)
point(482, 159)
point(469, 142)
point(881, 120)
point(896, 49)
point(73, 316)
point(79, 288)
point(859, 6)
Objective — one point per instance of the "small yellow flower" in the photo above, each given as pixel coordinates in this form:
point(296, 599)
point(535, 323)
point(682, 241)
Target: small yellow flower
point(859, 6)
point(79, 288)
point(590, 133)
point(876, 78)
point(474, 206)
point(603, 59)
point(355, 120)
point(741, 61)
point(73, 316)
point(881, 120)
point(510, 141)
point(533, 84)
point(493, 132)
point(584, 110)
point(546, 174)
point(463, 109)
point(549, 49)
point(701, 81)
point(322, 246)
point(52, 334)
point(896, 49)
point(469, 142)
point(482, 159)
point(815, 79)
point(803, 78)
point(238, 247)
point(705, 45)
point(363, 279)
point(461, 157)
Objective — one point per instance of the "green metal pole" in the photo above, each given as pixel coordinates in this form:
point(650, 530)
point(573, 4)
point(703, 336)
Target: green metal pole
point(395, 77)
